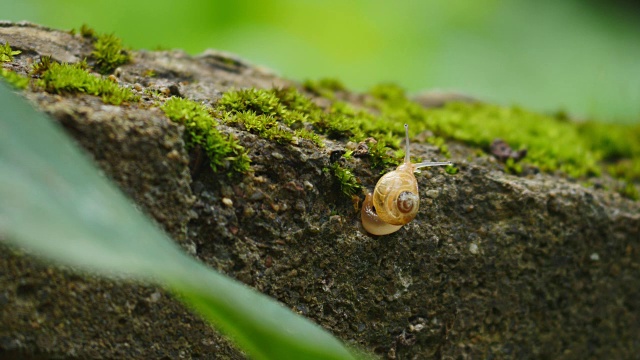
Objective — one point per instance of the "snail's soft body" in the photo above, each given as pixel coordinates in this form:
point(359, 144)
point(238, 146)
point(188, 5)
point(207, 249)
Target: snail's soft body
point(395, 200)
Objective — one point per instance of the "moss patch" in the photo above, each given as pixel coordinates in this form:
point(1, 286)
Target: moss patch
point(223, 151)
point(277, 114)
point(109, 53)
point(75, 78)
point(326, 87)
point(347, 182)
point(6, 53)
point(42, 66)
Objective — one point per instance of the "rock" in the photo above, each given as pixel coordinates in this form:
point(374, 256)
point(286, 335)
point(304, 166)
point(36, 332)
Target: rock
point(494, 265)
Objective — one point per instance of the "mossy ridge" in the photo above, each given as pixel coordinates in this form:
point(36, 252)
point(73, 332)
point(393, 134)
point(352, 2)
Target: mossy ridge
point(266, 112)
point(552, 145)
point(223, 152)
point(75, 78)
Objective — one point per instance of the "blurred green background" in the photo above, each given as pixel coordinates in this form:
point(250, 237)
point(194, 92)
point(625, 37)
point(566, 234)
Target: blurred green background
point(582, 57)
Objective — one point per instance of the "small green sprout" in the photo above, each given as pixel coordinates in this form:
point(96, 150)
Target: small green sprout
point(380, 158)
point(512, 167)
point(41, 67)
point(109, 53)
point(451, 169)
point(348, 182)
point(6, 53)
point(87, 32)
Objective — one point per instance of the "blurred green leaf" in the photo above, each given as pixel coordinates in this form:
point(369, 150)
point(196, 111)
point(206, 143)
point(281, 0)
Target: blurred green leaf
point(54, 203)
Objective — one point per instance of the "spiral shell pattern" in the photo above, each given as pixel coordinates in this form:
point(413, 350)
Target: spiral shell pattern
point(395, 197)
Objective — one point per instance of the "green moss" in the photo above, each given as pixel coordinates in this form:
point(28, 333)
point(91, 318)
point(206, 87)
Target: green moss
point(265, 126)
point(347, 182)
point(380, 158)
point(309, 135)
point(391, 94)
point(6, 53)
point(441, 144)
point(261, 102)
point(451, 169)
point(109, 53)
point(42, 66)
point(294, 101)
point(336, 125)
point(87, 32)
point(552, 144)
point(326, 87)
point(75, 78)
point(277, 114)
point(629, 191)
point(512, 167)
point(16, 80)
point(222, 151)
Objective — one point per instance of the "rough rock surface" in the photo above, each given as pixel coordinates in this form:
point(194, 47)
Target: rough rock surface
point(494, 265)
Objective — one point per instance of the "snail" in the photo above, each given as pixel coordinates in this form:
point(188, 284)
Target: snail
point(395, 200)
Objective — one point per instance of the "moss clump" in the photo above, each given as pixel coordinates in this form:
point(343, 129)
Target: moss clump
point(379, 155)
point(629, 191)
point(42, 66)
point(294, 101)
point(260, 102)
point(552, 145)
point(309, 135)
point(342, 121)
point(109, 53)
point(277, 114)
point(223, 151)
point(75, 78)
point(16, 80)
point(87, 32)
point(326, 87)
point(451, 169)
point(348, 182)
point(618, 144)
point(6, 53)
point(265, 126)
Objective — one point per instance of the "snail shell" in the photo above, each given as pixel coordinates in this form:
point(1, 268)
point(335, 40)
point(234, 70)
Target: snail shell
point(395, 200)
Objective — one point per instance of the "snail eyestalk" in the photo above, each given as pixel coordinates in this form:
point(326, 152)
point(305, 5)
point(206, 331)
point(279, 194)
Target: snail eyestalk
point(407, 158)
point(429, 163)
